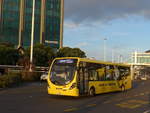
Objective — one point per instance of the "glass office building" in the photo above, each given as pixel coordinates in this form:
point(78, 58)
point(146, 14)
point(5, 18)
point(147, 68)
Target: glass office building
point(16, 22)
point(140, 58)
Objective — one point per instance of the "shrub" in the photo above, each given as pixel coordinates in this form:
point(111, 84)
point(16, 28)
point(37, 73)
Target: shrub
point(13, 78)
point(10, 79)
point(30, 76)
point(8, 55)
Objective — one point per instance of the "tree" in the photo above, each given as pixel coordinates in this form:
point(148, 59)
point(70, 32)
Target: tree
point(70, 52)
point(42, 55)
point(78, 53)
point(8, 55)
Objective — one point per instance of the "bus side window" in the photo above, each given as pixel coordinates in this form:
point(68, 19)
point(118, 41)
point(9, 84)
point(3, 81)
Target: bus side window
point(92, 70)
point(127, 71)
point(109, 72)
point(116, 73)
point(124, 72)
point(93, 76)
point(101, 73)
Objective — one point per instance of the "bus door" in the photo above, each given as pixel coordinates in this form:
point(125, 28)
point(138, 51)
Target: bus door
point(124, 77)
point(83, 78)
point(111, 83)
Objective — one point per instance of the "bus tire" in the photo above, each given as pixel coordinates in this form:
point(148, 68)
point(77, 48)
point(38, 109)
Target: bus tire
point(123, 88)
point(92, 91)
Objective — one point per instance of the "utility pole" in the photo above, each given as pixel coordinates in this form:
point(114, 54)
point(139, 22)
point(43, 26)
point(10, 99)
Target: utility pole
point(104, 49)
point(32, 36)
point(121, 59)
point(112, 57)
point(61, 24)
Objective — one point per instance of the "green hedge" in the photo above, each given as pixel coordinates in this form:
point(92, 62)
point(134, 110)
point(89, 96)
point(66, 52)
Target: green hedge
point(9, 80)
point(30, 76)
point(13, 78)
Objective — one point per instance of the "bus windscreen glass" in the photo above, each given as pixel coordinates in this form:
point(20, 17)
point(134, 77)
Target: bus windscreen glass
point(62, 71)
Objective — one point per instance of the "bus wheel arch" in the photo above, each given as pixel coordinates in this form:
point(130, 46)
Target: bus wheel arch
point(92, 91)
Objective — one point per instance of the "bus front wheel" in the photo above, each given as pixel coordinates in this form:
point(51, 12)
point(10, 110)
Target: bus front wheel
point(92, 92)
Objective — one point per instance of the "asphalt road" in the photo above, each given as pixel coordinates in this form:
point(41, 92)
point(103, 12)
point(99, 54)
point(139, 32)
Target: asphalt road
point(33, 98)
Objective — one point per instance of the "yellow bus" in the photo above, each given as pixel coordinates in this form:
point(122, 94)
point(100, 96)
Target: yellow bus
point(71, 76)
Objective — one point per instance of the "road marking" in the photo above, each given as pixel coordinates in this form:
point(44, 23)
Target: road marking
point(75, 109)
point(91, 105)
point(136, 95)
point(126, 105)
point(148, 111)
point(71, 109)
point(139, 101)
point(142, 94)
point(132, 104)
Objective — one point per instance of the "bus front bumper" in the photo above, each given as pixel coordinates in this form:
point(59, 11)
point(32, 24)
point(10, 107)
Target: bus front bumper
point(64, 92)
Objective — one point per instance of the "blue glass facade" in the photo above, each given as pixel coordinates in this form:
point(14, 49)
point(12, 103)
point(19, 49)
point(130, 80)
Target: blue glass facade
point(9, 22)
point(16, 22)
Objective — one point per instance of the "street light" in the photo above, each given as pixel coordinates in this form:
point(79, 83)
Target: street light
point(105, 48)
point(120, 58)
point(112, 56)
point(32, 36)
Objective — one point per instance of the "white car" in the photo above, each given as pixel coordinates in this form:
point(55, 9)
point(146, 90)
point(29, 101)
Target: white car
point(44, 76)
point(143, 78)
point(146, 77)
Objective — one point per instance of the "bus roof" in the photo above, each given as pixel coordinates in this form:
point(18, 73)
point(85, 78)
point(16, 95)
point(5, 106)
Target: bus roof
point(95, 61)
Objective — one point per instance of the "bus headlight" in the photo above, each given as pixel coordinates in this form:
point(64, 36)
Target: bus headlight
point(73, 86)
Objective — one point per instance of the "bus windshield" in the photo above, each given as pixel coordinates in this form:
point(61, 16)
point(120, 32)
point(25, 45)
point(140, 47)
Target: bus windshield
point(62, 71)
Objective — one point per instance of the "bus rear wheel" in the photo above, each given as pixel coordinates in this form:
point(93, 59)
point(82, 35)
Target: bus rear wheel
point(92, 92)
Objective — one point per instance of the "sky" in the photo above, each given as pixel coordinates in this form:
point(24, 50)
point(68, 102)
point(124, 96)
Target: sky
point(124, 23)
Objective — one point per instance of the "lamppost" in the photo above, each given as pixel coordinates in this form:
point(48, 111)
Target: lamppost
point(120, 58)
point(112, 56)
point(104, 49)
point(32, 36)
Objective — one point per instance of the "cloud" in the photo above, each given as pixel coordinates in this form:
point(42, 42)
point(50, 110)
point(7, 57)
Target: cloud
point(70, 25)
point(80, 11)
point(82, 44)
point(120, 34)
